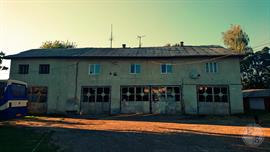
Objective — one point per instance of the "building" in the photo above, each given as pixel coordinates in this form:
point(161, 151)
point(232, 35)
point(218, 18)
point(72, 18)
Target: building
point(165, 80)
point(256, 99)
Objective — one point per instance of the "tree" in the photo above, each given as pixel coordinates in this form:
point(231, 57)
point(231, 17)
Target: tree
point(236, 39)
point(255, 70)
point(57, 44)
point(2, 54)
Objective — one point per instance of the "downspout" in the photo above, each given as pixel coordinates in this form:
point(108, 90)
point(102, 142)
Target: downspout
point(182, 99)
point(76, 85)
point(76, 80)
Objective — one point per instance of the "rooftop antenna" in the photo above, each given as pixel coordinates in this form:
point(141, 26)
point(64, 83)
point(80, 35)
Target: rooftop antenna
point(140, 40)
point(111, 38)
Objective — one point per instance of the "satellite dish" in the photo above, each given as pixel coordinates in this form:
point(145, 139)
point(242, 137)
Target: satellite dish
point(194, 74)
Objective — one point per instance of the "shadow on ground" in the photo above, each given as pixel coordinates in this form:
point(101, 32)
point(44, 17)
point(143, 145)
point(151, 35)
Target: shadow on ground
point(131, 133)
point(76, 140)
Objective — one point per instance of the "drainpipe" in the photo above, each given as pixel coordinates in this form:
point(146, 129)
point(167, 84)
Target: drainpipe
point(182, 99)
point(76, 85)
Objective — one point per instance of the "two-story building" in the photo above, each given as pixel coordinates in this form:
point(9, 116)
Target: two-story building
point(165, 80)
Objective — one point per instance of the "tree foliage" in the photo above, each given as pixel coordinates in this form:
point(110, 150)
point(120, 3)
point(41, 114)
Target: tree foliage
point(236, 39)
point(255, 70)
point(2, 54)
point(57, 44)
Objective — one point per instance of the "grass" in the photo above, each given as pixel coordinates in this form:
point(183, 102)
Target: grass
point(263, 116)
point(14, 139)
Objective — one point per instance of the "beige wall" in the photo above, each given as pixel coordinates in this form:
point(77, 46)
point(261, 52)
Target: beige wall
point(61, 80)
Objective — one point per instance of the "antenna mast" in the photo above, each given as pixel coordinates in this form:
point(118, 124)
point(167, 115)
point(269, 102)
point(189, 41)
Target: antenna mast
point(140, 40)
point(111, 38)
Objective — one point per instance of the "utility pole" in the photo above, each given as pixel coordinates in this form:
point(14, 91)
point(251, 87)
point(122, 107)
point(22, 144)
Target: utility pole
point(111, 38)
point(140, 40)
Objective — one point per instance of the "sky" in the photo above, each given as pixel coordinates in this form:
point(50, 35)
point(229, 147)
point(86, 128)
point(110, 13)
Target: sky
point(25, 24)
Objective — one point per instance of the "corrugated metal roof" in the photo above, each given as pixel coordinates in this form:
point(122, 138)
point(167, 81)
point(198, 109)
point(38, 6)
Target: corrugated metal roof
point(146, 52)
point(256, 93)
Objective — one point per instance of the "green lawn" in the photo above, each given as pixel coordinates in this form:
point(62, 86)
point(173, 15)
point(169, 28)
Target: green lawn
point(21, 139)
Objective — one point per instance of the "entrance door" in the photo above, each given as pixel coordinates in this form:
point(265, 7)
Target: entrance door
point(95, 100)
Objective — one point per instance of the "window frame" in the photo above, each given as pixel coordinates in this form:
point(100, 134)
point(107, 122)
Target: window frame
point(177, 96)
point(23, 69)
point(136, 65)
point(166, 68)
point(213, 94)
point(41, 71)
point(96, 94)
point(135, 93)
point(95, 65)
point(211, 67)
point(14, 87)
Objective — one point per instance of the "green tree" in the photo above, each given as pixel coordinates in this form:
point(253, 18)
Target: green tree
point(236, 39)
point(255, 70)
point(57, 44)
point(2, 54)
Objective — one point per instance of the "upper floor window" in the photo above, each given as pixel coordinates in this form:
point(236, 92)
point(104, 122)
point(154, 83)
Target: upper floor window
point(135, 68)
point(94, 69)
point(166, 68)
point(44, 69)
point(23, 68)
point(211, 67)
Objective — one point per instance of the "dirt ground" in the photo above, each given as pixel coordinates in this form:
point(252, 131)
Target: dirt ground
point(147, 133)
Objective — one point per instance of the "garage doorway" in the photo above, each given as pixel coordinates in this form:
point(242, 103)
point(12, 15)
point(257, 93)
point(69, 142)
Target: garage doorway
point(37, 99)
point(213, 99)
point(150, 99)
point(95, 99)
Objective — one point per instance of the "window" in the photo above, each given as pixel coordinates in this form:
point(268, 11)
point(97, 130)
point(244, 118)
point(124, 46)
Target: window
point(145, 93)
point(213, 93)
point(2, 89)
point(18, 90)
point(135, 93)
point(44, 69)
point(135, 68)
point(166, 68)
point(165, 93)
point(23, 68)
point(211, 67)
point(37, 94)
point(94, 69)
point(96, 94)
